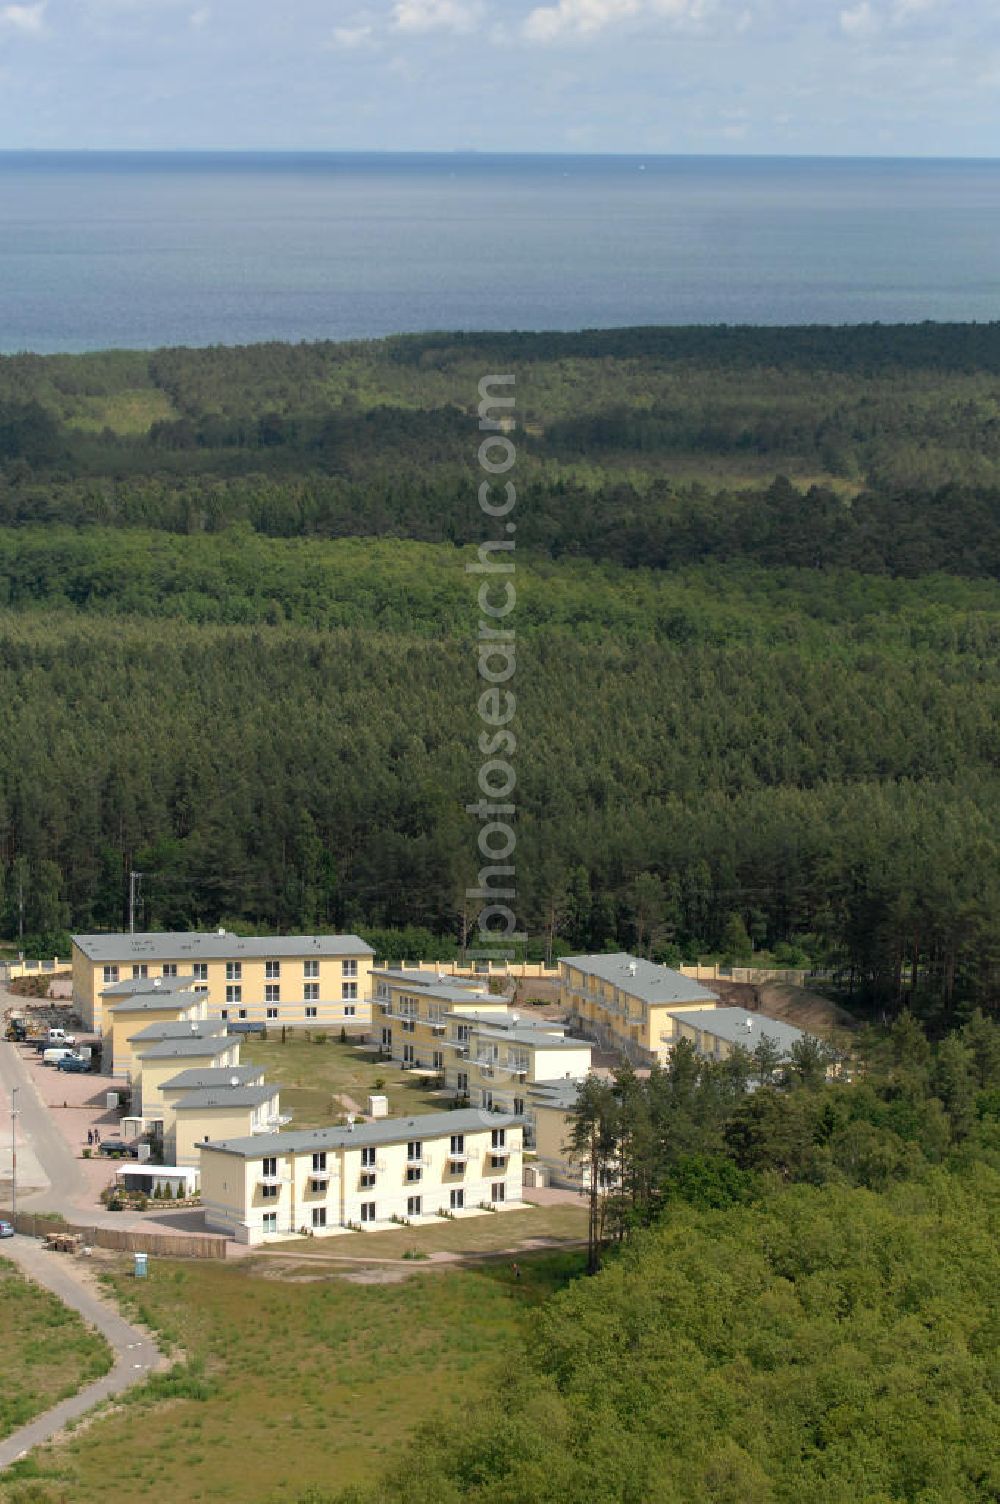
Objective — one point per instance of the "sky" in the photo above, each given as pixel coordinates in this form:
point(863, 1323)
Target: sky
point(840, 77)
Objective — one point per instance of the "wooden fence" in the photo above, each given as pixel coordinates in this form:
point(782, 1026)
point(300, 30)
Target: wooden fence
point(171, 1245)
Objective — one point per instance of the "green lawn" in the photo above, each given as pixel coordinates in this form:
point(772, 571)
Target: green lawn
point(47, 1351)
point(565, 1223)
point(288, 1382)
point(312, 1076)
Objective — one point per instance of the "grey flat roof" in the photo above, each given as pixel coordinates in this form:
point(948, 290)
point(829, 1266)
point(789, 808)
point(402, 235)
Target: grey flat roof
point(731, 1024)
point(525, 1034)
point(154, 1003)
point(141, 986)
point(203, 1078)
point(197, 1028)
point(199, 1048)
point(385, 1131)
point(560, 1093)
point(650, 982)
point(210, 945)
point(430, 979)
point(226, 1096)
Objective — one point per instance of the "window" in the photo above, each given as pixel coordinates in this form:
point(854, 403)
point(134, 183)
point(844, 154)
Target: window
point(414, 1150)
point(311, 1012)
point(368, 1211)
point(413, 1173)
point(462, 1082)
point(458, 1143)
point(368, 1180)
point(224, 1013)
point(111, 973)
point(462, 1033)
point(234, 971)
point(170, 968)
point(409, 1058)
point(387, 1039)
point(269, 1192)
point(272, 969)
point(486, 1100)
point(349, 968)
point(272, 993)
point(437, 1060)
point(349, 1010)
point(200, 970)
point(234, 994)
point(310, 992)
point(499, 1138)
point(270, 1221)
point(201, 987)
point(519, 1107)
point(496, 1162)
point(310, 968)
point(319, 1216)
point(140, 971)
point(381, 990)
point(270, 1165)
point(348, 989)
point(319, 1160)
point(413, 1206)
point(409, 1026)
point(241, 1013)
point(498, 1191)
point(271, 1013)
point(368, 1157)
point(457, 1199)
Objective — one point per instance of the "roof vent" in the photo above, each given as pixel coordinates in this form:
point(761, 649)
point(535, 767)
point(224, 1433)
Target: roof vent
point(194, 1027)
point(632, 968)
point(350, 1122)
point(749, 1025)
point(234, 1080)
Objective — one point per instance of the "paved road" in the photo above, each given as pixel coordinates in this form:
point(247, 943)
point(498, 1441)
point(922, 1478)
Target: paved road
point(36, 1127)
point(135, 1354)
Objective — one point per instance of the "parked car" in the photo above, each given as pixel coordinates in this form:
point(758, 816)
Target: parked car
point(6, 1229)
point(59, 1052)
point(59, 1036)
point(116, 1148)
point(73, 1063)
point(17, 1029)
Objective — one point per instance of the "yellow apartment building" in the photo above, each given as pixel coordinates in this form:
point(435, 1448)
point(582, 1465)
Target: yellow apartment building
point(202, 1078)
point(628, 1004)
point(135, 1011)
point(304, 981)
point(163, 1059)
point(717, 1032)
point(413, 1015)
point(552, 1104)
point(218, 1112)
point(506, 1057)
point(334, 1179)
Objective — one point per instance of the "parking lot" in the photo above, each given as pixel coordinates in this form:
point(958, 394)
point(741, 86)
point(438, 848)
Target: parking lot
point(78, 1104)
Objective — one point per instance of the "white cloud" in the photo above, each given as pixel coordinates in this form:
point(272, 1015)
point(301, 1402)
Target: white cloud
point(200, 18)
point(350, 37)
point(428, 15)
point(27, 19)
point(859, 20)
point(579, 17)
point(586, 17)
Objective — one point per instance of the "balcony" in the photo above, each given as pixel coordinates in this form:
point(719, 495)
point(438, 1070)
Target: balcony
point(458, 1157)
point(438, 1026)
point(320, 1174)
point(269, 1180)
point(500, 1151)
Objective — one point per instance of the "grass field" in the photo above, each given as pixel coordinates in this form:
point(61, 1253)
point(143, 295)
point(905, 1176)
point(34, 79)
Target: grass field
point(288, 1382)
point(314, 1077)
point(565, 1223)
point(46, 1350)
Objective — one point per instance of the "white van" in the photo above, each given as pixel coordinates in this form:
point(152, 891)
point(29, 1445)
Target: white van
point(59, 1036)
point(57, 1053)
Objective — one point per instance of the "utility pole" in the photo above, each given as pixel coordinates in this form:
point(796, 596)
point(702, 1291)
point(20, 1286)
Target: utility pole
point(13, 1155)
point(134, 879)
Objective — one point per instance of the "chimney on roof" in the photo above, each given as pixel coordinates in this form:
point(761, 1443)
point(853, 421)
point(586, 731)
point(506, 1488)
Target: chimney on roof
point(157, 981)
point(631, 968)
point(234, 1080)
point(749, 1025)
point(350, 1122)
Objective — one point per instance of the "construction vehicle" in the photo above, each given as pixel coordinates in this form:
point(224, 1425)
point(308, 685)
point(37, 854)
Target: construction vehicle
point(17, 1030)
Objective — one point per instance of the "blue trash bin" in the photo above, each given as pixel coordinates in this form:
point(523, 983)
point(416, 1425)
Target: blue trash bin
point(141, 1262)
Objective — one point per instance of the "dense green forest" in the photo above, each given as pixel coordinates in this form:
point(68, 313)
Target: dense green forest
point(758, 620)
point(798, 1302)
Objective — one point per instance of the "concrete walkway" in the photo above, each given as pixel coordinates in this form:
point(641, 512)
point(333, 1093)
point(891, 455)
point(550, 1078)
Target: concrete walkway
point(135, 1354)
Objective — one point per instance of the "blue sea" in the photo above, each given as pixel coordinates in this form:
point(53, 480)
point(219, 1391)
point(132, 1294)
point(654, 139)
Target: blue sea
point(140, 250)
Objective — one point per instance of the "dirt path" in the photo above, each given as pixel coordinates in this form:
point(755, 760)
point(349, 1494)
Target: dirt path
point(136, 1355)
